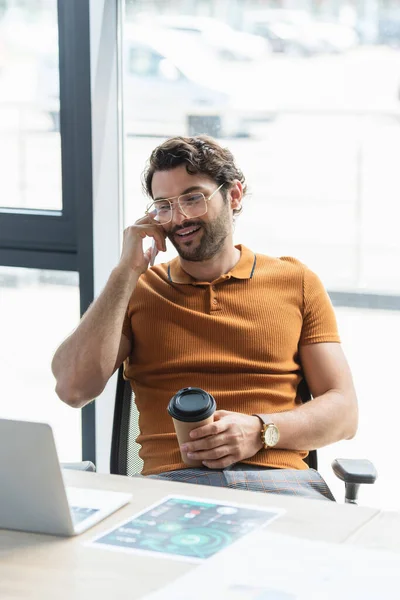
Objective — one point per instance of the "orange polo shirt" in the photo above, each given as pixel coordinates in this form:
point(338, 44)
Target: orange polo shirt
point(236, 337)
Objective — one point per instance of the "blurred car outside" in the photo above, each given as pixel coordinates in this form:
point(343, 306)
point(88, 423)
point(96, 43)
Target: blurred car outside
point(226, 42)
point(335, 36)
point(170, 87)
point(297, 33)
point(388, 30)
point(11, 277)
point(282, 34)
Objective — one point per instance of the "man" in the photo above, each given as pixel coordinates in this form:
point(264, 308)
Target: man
point(247, 328)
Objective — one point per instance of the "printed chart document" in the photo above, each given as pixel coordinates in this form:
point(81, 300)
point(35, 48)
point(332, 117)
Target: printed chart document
point(186, 528)
point(270, 566)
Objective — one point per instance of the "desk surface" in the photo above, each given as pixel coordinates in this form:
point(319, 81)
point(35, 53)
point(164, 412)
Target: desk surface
point(380, 533)
point(46, 567)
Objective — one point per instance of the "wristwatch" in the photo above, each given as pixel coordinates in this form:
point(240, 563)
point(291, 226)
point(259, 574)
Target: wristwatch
point(269, 433)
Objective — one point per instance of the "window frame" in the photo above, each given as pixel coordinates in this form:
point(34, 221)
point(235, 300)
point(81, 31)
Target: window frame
point(63, 240)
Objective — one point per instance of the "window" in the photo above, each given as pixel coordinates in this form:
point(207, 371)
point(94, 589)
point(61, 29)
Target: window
point(45, 217)
point(143, 63)
point(38, 309)
point(308, 101)
point(30, 144)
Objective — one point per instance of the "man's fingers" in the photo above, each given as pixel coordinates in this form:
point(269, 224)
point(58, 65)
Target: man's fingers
point(147, 218)
point(206, 430)
point(207, 443)
point(220, 414)
point(214, 454)
point(147, 230)
point(220, 463)
point(154, 232)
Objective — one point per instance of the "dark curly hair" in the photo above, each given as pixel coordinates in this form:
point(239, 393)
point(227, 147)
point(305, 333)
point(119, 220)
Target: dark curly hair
point(201, 154)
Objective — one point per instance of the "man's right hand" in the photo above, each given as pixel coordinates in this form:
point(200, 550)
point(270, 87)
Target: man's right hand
point(132, 255)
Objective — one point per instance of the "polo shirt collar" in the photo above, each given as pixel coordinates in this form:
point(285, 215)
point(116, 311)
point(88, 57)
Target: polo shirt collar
point(244, 269)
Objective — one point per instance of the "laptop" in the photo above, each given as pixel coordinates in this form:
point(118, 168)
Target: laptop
point(33, 496)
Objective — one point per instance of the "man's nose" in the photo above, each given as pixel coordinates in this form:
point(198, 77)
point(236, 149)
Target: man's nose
point(177, 215)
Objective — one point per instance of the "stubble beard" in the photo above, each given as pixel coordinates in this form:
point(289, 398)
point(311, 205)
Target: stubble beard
point(214, 234)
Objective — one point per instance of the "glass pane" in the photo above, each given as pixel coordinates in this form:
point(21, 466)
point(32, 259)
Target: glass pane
point(306, 96)
point(373, 366)
point(38, 309)
point(30, 148)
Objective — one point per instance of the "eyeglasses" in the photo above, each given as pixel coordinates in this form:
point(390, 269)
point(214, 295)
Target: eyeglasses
point(193, 204)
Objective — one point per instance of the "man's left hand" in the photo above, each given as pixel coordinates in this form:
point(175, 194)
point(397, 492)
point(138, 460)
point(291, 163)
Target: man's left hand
point(232, 437)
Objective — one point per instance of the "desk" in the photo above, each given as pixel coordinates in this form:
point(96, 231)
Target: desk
point(382, 532)
point(50, 568)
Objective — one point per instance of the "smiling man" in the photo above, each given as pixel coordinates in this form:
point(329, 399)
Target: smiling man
point(246, 327)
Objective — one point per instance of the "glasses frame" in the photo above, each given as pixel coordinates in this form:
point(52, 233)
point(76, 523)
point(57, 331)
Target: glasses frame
point(206, 200)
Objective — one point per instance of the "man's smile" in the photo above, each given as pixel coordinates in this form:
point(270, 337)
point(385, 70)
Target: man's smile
point(187, 233)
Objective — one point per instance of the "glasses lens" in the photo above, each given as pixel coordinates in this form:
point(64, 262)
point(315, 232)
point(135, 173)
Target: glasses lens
point(193, 205)
point(162, 208)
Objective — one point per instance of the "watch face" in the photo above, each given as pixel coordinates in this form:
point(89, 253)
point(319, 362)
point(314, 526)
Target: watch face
point(271, 435)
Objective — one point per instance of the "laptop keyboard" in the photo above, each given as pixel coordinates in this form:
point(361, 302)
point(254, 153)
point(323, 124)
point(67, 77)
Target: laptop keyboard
point(79, 513)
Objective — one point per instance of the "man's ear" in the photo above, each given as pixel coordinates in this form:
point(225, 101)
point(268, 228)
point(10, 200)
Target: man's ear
point(236, 195)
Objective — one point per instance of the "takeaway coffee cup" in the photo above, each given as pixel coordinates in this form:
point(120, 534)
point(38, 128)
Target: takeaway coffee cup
point(191, 407)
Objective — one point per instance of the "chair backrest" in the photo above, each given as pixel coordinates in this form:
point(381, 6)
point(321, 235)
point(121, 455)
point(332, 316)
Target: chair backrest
point(124, 459)
point(304, 392)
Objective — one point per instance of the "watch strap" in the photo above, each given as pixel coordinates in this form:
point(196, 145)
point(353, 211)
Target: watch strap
point(262, 419)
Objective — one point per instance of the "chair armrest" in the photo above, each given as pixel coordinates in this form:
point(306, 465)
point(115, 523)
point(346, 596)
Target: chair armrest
point(354, 470)
point(85, 465)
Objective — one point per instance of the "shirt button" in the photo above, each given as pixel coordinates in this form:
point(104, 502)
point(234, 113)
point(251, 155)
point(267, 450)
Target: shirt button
point(215, 301)
point(213, 288)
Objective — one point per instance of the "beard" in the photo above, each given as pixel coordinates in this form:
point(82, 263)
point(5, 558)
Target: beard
point(212, 236)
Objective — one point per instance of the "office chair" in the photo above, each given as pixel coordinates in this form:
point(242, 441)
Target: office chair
point(125, 460)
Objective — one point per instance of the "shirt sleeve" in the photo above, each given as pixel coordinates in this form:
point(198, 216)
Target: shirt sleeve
point(126, 326)
point(319, 320)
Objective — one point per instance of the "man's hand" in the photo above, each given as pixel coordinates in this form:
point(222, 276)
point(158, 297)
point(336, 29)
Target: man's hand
point(132, 255)
point(232, 437)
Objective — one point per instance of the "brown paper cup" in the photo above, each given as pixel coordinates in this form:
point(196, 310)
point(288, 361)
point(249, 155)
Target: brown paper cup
point(183, 430)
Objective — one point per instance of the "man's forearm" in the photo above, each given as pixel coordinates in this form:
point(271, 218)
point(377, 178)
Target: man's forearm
point(85, 361)
point(324, 420)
